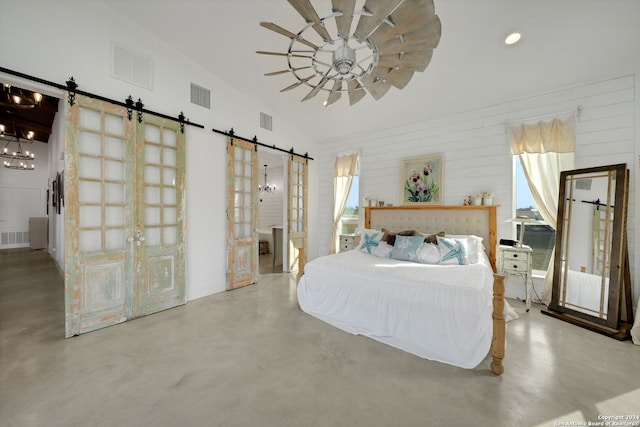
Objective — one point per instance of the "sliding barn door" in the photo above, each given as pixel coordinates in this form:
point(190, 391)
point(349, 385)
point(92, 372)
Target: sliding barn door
point(124, 216)
point(297, 213)
point(242, 193)
point(159, 235)
point(99, 229)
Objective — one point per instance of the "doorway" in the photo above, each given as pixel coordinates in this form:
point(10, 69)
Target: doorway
point(271, 210)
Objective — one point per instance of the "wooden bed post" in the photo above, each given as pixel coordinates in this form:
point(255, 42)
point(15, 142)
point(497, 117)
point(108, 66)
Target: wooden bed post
point(498, 342)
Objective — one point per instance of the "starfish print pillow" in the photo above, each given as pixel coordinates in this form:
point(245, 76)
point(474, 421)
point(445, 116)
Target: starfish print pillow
point(453, 251)
point(370, 240)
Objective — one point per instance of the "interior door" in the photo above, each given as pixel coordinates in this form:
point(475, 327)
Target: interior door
point(297, 213)
point(242, 193)
point(160, 215)
point(124, 216)
point(98, 216)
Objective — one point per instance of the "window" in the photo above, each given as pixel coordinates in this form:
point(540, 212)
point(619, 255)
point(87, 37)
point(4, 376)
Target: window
point(350, 216)
point(541, 238)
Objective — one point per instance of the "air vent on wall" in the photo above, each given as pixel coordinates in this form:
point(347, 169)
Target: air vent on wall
point(200, 96)
point(14, 237)
point(266, 121)
point(130, 66)
point(583, 184)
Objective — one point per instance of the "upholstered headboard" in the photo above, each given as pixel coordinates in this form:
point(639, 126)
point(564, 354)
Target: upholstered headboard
point(477, 220)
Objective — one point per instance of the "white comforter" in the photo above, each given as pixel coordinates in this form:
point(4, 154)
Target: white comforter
point(439, 312)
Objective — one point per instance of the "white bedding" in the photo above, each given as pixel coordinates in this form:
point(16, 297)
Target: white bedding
point(438, 312)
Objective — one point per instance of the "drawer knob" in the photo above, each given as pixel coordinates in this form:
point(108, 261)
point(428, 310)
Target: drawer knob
point(515, 266)
point(515, 255)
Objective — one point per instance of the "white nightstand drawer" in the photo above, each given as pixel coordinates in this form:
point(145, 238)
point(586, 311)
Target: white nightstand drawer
point(513, 255)
point(516, 266)
point(348, 242)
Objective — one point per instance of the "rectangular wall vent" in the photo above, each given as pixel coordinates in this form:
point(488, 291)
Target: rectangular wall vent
point(266, 121)
point(14, 237)
point(131, 66)
point(583, 184)
point(200, 96)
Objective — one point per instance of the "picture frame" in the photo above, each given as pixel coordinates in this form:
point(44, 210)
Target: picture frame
point(421, 180)
point(54, 195)
point(57, 181)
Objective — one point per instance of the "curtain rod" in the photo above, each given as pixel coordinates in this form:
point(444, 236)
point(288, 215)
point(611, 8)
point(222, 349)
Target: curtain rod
point(232, 134)
point(576, 112)
point(72, 87)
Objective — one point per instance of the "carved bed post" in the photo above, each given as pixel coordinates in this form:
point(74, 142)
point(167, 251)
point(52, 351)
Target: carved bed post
point(498, 342)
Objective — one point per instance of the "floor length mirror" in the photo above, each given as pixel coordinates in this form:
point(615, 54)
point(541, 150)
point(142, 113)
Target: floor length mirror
point(591, 283)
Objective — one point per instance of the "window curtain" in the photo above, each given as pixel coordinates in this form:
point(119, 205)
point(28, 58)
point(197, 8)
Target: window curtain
point(545, 149)
point(345, 169)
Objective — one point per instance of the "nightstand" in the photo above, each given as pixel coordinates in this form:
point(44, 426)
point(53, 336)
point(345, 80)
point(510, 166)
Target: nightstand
point(517, 261)
point(348, 242)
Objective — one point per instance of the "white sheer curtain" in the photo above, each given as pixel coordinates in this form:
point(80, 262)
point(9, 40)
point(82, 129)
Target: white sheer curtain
point(545, 149)
point(345, 169)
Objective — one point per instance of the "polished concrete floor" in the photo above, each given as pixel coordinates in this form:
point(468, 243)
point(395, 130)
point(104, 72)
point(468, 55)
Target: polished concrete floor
point(251, 358)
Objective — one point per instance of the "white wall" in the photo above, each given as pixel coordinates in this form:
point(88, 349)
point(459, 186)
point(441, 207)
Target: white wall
point(78, 44)
point(476, 153)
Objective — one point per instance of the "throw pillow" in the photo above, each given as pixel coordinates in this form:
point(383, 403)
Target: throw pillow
point(390, 236)
point(406, 248)
point(383, 250)
point(432, 238)
point(453, 251)
point(429, 253)
point(369, 240)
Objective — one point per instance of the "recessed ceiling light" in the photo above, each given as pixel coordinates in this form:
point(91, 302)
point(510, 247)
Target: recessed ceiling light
point(513, 38)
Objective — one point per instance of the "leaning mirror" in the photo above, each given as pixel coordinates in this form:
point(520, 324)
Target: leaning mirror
point(591, 269)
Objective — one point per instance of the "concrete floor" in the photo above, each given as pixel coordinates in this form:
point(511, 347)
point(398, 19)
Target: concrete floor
point(251, 358)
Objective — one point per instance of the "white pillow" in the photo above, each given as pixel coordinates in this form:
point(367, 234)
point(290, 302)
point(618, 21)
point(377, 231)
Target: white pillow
point(429, 254)
point(453, 251)
point(370, 240)
point(383, 250)
point(474, 246)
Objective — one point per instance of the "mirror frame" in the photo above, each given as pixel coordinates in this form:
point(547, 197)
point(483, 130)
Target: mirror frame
point(618, 253)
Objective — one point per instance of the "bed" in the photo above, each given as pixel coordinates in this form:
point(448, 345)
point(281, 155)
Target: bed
point(447, 313)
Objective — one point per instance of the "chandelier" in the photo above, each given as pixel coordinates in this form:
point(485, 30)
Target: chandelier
point(13, 100)
point(266, 188)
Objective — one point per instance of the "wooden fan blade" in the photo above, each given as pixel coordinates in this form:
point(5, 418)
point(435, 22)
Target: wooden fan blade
point(335, 93)
point(380, 10)
point(276, 73)
point(262, 52)
point(398, 78)
point(390, 49)
point(347, 7)
point(356, 91)
point(428, 28)
point(298, 83)
point(416, 61)
point(315, 90)
point(306, 10)
point(375, 86)
point(276, 28)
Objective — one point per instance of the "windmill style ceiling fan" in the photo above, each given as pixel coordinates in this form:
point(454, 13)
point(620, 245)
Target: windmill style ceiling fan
point(391, 40)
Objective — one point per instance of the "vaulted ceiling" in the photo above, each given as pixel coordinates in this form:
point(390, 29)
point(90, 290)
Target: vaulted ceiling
point(19, 119)
point(565, 43)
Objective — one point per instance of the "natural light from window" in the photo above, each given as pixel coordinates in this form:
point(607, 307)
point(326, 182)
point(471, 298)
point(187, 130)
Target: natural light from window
point(350, 216)
point(541, 238)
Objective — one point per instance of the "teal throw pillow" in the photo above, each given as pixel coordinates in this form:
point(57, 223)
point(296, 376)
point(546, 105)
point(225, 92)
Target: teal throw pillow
point(406, 248)
point(453, 251)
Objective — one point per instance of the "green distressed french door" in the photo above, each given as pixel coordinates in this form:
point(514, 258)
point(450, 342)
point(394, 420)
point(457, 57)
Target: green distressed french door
point(297, 213)
point(124, 215)
point(242, 198)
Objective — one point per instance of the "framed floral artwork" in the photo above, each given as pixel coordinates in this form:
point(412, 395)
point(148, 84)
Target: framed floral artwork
point(421, 180)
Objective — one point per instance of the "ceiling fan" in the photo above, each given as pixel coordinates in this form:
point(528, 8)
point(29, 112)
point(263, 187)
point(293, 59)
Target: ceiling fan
point(391, 40)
